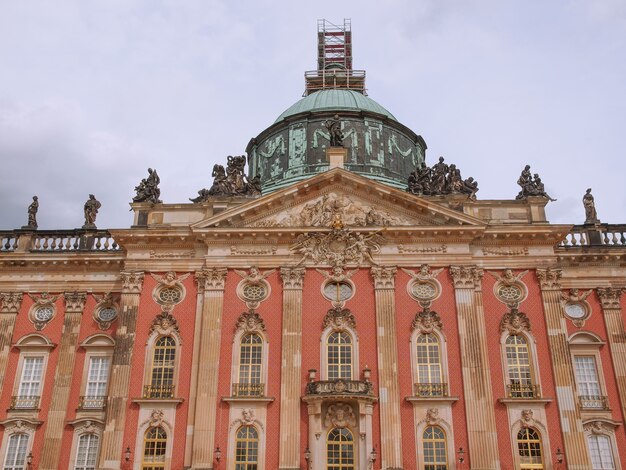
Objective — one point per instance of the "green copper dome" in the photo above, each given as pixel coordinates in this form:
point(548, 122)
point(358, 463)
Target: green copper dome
point(335, 100)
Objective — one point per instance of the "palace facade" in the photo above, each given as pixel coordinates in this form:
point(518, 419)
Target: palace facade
point(341, 306)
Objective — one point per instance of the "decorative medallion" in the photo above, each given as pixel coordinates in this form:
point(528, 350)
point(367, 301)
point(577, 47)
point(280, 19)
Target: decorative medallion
point(170, 290)
point(253, 289)
point(106, 310)
point(509, 288)
point(424, 286)
point(338, 288)
point(576, 307)
point(43, 310)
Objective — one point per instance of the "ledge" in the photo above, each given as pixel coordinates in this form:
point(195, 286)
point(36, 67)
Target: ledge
point(414, 399)
point(512, 401)
point(154, 401)
point(248, 399)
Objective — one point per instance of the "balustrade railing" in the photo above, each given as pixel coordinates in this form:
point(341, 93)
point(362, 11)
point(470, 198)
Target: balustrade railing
point(593, 402)
point(339, 387)
point(426, 390)
point(158, 391)
point(523, 391)
point(92, 402)
point(24, 402)
point(248, 390)
point(602, 235)
point(45, 241)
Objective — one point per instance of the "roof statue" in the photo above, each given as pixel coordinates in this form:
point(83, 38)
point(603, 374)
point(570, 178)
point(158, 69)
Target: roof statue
point(91, 211)
point(231, 181)
point(334, 130)
point(32, 214)
point(591, 216)
point(148, 189)
point(531, 185)
point(440, 180)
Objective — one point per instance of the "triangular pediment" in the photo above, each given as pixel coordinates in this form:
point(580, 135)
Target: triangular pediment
point(338, 197)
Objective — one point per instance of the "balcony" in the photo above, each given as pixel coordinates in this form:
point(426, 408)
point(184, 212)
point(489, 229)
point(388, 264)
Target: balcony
point(92, 402)
point(431, 390)
point(24, 402)
point(523, 391)
point(340, 388)
point(159, 392)
point(593, 403)
point(245, 390)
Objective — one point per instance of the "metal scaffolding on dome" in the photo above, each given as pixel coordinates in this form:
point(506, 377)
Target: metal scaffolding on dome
point(334, 60)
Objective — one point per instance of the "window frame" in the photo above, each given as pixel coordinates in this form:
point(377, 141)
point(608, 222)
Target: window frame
point(149, 360)
point(542, 448)
point(354, 370)
point(236, 355)
point(424, 441)
point(535, 377)
point(443, 357)
point(98, 345)
point(584, 343)
point(30, 346)
point(238, 440)
point(355, 449)
point(75, 455)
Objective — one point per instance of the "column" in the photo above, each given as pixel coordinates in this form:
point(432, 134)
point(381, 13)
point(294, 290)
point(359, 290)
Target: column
point(74, 306)
point(291, 369)
point(611, 308)
point(10, 303)
point(119, 382)
point(574, 441)
point(482, 435)
point(389, 393)
point(212, 280)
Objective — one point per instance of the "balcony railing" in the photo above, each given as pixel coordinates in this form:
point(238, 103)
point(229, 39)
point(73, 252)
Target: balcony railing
point(24, 402)
point(523, 391)
point(602, 235)
point(158, 391)
point(427, 390)
point(92, 402)
point(593, 402)
point(46, 241)
point(244, 390)
point(339, 387)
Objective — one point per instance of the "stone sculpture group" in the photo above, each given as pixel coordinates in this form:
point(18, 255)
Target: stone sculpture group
point(440, 180)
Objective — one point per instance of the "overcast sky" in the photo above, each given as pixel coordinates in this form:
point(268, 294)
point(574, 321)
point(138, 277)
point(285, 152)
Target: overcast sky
point(92, 93)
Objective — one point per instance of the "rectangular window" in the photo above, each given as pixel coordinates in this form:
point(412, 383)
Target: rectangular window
point(16, 452)
point(30, 382)
point(97, 377)
point(587, 376)
point(601, 453)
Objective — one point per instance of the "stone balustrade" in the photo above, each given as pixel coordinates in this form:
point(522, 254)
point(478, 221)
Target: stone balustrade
point(601, 235)
point(340, 387)
point(47, 241)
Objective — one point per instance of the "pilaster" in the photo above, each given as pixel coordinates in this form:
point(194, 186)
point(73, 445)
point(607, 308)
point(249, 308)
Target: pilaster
point(389, 392)
point(574, 440)
point(482, 434)
point(10, 303)
point(119, 383)
point(291, 369)
point(612, 310)
point(211, 281)
point(74, 306)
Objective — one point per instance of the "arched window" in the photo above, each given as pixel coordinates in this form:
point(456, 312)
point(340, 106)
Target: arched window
point(340, 449)
point(87, 453)
point(428, 360)
point(163, 365)
point(16, 452)
point(529, 448)
point(435, 452)
point(339, 355)
point(154, 445)
point(247, 448)
point(250, 363)
point(601, 452)
point(518, 367)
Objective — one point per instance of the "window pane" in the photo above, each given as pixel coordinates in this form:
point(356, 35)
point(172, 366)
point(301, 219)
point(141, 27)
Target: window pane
point(601, 452)
point(339, 356)
point(16, 452)
point(97, 377)
point(587, 375)
point(87, 452)
point(246, 448)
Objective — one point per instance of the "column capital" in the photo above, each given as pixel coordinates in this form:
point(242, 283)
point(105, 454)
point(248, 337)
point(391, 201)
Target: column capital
point(75, 301)
point(466, 277)
point(10, 302)
point(132, 282)
point(384, 276)
point(610, 297)
point(211, 279)
point(549, 278)
point(292, 278)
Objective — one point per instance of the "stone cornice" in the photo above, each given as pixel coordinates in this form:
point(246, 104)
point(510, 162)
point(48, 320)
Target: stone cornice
point(466, 277)
point(610, 297)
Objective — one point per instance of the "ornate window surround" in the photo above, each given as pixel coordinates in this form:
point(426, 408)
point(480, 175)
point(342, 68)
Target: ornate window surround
point(85, 426)
point(247, 418)
point(324, 349)
point(96, 345)
point(586, 343)
point(156, 418)
point(432, 419)
point(606, 428)
point(432, 327)
point(249, 322)
point(17, 426)
point(32, 345)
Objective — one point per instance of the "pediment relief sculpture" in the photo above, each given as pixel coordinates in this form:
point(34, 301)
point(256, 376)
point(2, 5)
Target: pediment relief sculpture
point(337, 248)
point(323, 211)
